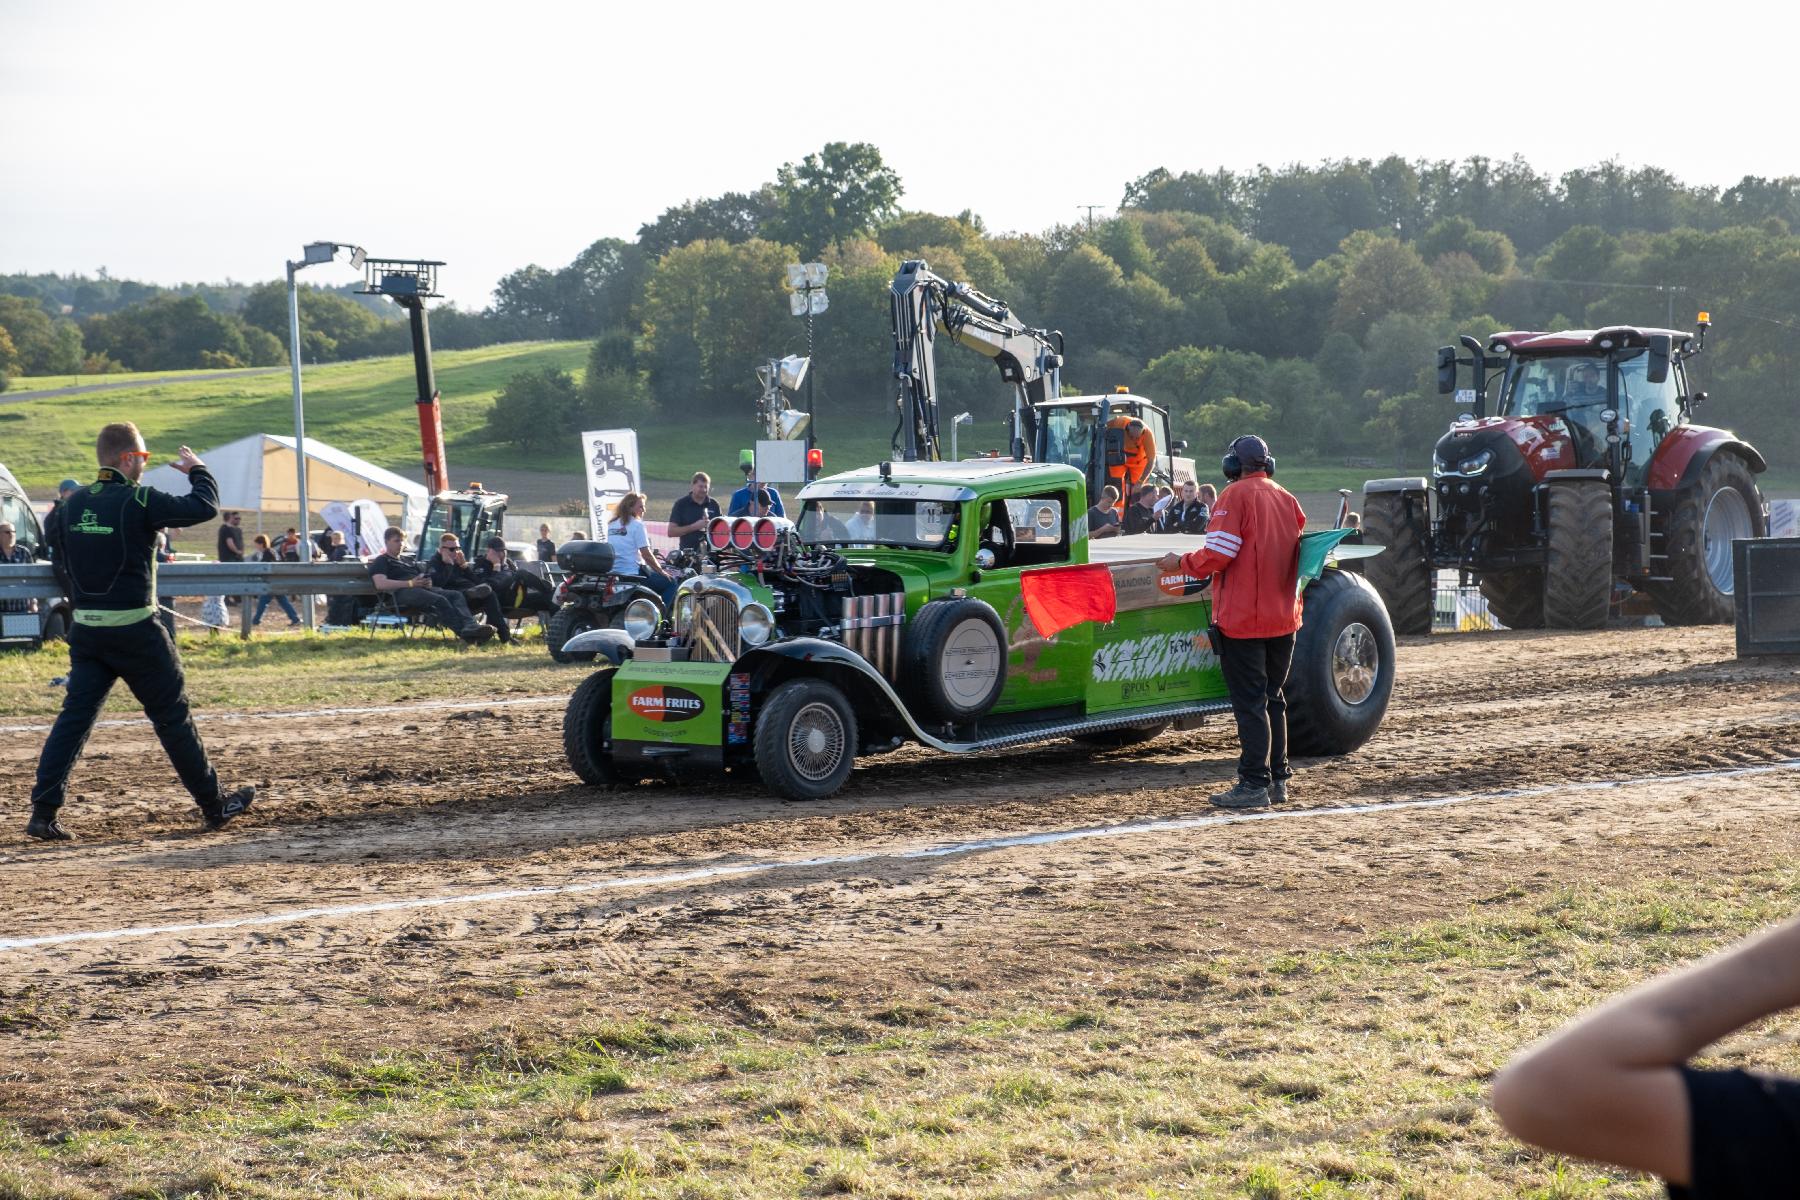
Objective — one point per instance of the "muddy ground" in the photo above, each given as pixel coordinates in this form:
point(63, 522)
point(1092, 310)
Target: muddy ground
point(358, 809)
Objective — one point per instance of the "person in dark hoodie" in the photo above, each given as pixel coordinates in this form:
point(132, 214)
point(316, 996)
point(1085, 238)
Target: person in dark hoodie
point(107, 540)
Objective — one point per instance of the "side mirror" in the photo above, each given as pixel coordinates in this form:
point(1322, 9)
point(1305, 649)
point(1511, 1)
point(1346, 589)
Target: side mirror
point(1178, 445)
point(984, 558)
point(1661, 349)
point(1446, 367)
point(1696, 400)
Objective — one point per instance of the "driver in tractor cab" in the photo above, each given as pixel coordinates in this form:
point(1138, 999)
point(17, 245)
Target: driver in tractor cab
point(1582, 399)
point(1140, 455)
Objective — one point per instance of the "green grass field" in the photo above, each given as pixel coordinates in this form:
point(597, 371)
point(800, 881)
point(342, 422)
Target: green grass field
point(366, 408)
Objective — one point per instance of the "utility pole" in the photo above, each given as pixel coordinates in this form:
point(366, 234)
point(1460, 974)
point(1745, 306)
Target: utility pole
point(1090, 212)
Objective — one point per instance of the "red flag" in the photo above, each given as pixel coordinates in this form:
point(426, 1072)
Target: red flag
point(1058, 597)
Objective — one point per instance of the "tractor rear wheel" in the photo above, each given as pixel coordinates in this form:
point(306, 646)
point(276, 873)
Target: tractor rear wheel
point(1578, 564)
point(1401, 573)
point(1516, 598)
point(1723, 505)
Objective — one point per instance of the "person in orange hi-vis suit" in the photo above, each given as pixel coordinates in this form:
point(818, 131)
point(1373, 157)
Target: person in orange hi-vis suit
point(1253, 550)
point(1140, 456)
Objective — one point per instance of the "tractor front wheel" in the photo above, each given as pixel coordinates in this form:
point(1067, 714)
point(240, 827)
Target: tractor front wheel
point(1516, 598)
point(1723, 505)
point(1578, 563)
point(1401, 573)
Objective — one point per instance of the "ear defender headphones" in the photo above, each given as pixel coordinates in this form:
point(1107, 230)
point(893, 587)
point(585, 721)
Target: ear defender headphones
point(1248, 453)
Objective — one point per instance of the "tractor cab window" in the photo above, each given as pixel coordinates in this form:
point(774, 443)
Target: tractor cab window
point(1026, 531)
point(1652, 408)
point(456, 517)
point(15, 511)
point(1538, 387)
point(1069, 434)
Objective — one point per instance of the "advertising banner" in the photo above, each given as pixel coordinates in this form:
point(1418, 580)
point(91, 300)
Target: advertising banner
point(611, 456)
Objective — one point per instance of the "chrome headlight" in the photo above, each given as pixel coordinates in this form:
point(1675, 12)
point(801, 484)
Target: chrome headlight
point(641, 619)
point(756, 624)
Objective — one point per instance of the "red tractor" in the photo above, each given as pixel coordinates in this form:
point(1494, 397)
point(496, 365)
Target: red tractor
point(1588, 483)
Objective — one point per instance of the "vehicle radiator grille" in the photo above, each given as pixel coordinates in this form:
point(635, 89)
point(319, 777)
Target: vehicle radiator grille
point(712, 635)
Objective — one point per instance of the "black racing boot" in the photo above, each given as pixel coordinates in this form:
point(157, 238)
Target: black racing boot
point(236, 804)
point(44, 827)
point(1243, 795)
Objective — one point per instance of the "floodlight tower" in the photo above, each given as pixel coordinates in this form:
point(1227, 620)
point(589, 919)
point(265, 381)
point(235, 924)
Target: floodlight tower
point(410, 282)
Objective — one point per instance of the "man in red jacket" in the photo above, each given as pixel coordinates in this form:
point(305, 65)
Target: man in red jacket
point(1253, 548)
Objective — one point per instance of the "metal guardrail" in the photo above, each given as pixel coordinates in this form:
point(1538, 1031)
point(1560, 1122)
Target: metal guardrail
point(29, 581)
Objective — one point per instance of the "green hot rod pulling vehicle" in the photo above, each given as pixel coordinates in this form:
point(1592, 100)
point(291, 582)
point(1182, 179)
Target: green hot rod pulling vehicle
point(893, 611)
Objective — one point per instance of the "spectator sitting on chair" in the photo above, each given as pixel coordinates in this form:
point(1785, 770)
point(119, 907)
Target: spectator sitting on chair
point(1140, 517)
point(412, 591)
point(1103, 518)
point(546, 546)
point(516, 588)
point(263, 553)
point(632, 555)
point(449, 572)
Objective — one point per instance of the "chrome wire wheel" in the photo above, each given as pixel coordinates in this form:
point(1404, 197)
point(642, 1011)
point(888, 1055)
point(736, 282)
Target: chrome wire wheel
point(1727, 519)
point(816, 741)
point(1355, 662)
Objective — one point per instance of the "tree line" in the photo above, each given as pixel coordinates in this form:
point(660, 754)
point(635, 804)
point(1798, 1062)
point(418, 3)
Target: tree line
point(1303, 300)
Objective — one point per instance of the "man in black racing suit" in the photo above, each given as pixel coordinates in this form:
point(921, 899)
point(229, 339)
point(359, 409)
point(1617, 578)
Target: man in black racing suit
point(107, 540)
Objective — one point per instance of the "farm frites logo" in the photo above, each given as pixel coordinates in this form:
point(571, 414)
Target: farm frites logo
point(1178, 583)
point(664, 703)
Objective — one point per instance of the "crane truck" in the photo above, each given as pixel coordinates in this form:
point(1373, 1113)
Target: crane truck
point(1117, 438)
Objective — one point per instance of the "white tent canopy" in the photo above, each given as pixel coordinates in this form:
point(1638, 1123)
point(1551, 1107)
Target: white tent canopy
point(256, 474)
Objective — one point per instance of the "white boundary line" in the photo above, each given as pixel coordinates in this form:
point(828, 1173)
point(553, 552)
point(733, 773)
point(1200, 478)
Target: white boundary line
point(284, 713)
point(695, 875)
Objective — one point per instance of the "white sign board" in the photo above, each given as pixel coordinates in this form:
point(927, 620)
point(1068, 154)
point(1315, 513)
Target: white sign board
point(781, 461)
point(611, 456)
point(1784, 518)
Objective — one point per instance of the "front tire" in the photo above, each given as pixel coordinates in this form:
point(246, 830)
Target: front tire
point(568, 621)
point(587, 731)
point(1516, 597)
point(1578, 557)
point(1343, 671)
point(805, 740)
point(1401, 573)
point(1724, 504)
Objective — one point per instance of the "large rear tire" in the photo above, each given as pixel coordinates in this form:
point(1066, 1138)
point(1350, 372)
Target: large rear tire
point(1401, 573)
point(1343, 671)
point(568, 621)
point(805, 740)
point(1723, 504)
point(1578, 563)
point(587, 731)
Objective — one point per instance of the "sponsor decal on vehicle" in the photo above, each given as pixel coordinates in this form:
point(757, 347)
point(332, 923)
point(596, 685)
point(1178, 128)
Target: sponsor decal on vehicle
point(1149, 657)
point(664, 702)
point(1179, 583)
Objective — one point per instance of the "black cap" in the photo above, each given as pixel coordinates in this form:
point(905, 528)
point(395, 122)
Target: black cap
point(496, 543)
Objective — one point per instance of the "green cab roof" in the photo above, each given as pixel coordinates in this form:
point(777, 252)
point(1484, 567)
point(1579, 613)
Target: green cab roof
point(943, 480)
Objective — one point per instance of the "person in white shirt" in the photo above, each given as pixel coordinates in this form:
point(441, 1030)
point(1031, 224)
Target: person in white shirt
point(630, 541)
point(861, 527)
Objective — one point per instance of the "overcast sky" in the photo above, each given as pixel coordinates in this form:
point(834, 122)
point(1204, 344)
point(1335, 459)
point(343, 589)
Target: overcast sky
point(199, 141)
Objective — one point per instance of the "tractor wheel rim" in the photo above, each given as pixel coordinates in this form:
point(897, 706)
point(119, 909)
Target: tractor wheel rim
point(816, 741)
point(1727, 518)
point(1355, 662)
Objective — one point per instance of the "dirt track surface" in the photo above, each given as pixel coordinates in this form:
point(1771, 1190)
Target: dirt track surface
point(368, 808)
